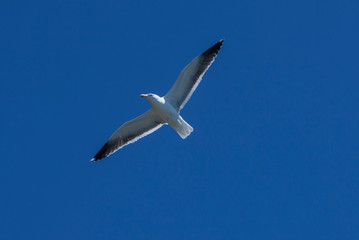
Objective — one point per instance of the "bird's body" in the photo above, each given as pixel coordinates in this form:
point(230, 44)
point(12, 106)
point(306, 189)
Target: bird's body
point(162, 107)
point(168, 114)
point(166, 109)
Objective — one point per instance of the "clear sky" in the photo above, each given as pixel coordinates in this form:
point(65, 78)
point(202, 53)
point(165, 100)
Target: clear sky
point(275, 149)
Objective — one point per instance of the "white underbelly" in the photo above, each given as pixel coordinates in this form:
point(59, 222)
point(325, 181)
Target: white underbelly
point(166, 112)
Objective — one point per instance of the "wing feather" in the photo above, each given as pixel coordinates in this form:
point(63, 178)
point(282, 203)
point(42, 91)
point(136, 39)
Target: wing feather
point(128, 133)
point(191, 76)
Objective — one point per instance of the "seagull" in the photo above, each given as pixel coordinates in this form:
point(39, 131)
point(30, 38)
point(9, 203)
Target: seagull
point(166, 109)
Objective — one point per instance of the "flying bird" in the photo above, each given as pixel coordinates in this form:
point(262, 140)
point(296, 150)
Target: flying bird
point(166, 109)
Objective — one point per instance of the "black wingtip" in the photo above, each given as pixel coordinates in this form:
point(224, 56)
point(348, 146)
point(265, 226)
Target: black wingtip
point(215, 48)
point(95, 159)
point(102, 153)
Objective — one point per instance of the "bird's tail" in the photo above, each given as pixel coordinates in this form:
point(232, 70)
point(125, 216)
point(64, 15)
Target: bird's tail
point(182, 128)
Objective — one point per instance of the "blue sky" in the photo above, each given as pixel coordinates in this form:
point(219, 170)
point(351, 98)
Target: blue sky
point(274, 153)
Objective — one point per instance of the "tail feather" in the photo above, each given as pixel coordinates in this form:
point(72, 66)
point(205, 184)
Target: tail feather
point(183, 128)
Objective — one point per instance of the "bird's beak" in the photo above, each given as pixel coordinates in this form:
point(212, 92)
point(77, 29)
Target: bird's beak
point(143, 95)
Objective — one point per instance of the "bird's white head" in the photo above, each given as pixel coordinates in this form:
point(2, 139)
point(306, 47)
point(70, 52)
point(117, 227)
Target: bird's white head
point(151, 97)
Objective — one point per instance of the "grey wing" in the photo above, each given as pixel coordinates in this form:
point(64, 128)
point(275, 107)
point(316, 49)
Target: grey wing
point(191, 76)
point(129, 132)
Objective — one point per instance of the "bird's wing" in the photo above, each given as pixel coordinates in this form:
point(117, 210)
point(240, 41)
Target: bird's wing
point(130, 132)
point(191, 76)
